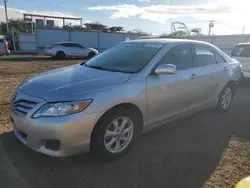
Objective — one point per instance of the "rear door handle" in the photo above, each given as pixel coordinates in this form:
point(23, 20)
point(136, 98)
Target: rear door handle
point(225, 68)
point(193, 76)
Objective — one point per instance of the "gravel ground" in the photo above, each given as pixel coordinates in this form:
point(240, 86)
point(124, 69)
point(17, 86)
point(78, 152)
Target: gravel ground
point(234, 164)
point(198, 151)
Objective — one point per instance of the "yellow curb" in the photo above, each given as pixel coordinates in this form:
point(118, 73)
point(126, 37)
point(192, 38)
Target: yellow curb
point(244, 183)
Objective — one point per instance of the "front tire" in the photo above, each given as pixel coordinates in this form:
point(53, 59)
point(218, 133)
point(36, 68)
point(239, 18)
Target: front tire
point(226, 98)
point(91, 54)
point(114, 134)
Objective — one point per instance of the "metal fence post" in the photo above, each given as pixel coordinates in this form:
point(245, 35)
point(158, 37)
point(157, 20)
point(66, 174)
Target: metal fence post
point(69, 35)
point(98, 41)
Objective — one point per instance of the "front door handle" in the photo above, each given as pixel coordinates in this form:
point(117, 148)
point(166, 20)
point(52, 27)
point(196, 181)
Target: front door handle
point(225, 69)
point(193, 76)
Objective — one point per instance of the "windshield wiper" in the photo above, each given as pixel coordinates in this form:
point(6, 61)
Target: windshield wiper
point(96, 67)
point(102, 68)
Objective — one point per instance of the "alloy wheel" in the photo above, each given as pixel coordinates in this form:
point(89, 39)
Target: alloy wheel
point(119, 134)
point(226, 98)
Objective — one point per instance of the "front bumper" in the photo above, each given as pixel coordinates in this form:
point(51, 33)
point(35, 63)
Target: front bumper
point(73, 132)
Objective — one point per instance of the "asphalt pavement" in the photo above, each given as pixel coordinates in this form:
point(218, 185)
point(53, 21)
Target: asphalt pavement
point(180, 154)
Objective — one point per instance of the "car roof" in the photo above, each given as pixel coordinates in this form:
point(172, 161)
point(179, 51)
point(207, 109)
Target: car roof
point(68, 42)
point(165, 41)
point(244, 43)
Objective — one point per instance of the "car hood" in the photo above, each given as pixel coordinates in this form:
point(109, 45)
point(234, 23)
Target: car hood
point(70, 83)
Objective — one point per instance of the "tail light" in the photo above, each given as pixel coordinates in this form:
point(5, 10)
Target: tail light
point(49, 47)
point(6, 45)
point(241, 68)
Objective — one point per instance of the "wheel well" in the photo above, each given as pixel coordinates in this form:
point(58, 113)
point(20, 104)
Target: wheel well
point(129, 106)
point(232, 82)
point(60, 52)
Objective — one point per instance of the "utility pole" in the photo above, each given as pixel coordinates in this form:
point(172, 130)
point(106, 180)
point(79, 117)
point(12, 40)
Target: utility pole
point(211, 24)
point(6, 15)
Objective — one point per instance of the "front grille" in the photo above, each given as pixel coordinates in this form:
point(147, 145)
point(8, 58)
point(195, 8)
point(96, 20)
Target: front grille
point(21, 107)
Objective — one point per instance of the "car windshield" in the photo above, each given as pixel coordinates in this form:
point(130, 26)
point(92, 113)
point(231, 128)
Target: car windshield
point(241, 51)
point(126, 57)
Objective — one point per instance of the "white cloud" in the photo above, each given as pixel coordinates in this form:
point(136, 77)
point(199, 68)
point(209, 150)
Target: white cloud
point(144, 1)
point(18, 13)
point(230, 12)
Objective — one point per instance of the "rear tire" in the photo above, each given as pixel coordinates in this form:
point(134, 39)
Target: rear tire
point(60, 55)
point(226, 98)
point(91, 54)
point(114, 134)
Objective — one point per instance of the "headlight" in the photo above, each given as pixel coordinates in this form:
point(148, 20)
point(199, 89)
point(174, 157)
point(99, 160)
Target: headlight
point(61, 108)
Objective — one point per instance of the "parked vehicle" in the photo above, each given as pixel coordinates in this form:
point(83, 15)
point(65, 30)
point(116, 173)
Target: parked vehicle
point(64, 50)
point(241, 52)
point(104, 104)
point(4, 47)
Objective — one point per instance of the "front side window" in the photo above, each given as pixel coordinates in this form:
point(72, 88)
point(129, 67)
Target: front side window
point(204, 55)
point(241, 51)
point(126, 57)
point(77, 45)
point(219, 58)
point(180, 56)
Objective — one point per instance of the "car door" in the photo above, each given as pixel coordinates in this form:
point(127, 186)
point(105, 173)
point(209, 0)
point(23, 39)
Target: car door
point(242, 54)
point(170, 95)
point(2, 48)
point(68, 49)
point(211, 74)
point(73, 49)
point(80, 51)
point(84, 52)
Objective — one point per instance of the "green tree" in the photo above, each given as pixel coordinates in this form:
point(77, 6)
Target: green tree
point(18, 25)
point(139, 32)
point(96, 26)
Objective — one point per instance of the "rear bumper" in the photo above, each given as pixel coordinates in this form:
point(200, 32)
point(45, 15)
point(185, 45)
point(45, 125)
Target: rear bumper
point(48, 53)
point(246, 74)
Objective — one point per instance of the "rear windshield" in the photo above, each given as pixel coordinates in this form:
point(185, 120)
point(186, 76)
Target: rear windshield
point(241, 51)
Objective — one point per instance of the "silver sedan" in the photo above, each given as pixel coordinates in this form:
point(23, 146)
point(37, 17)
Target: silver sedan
point(104, 104)
point(64, 50)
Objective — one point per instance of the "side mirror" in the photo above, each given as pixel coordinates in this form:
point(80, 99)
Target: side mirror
point(165, 69)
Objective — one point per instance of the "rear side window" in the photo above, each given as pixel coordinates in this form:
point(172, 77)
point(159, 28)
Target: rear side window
point(77, 46)
point(204, 55)
point(72, 45)
point(241, 51)
point(67, 44)
point(180, 56)
point(1, 40)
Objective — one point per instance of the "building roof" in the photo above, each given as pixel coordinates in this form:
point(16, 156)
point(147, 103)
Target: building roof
point(244, 43)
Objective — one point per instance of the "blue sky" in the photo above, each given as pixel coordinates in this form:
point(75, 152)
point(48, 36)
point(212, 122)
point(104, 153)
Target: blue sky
point(152, 16)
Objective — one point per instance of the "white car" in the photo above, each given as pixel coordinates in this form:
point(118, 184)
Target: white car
point(64, 50)
point(241, 52)
point(4, 46)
